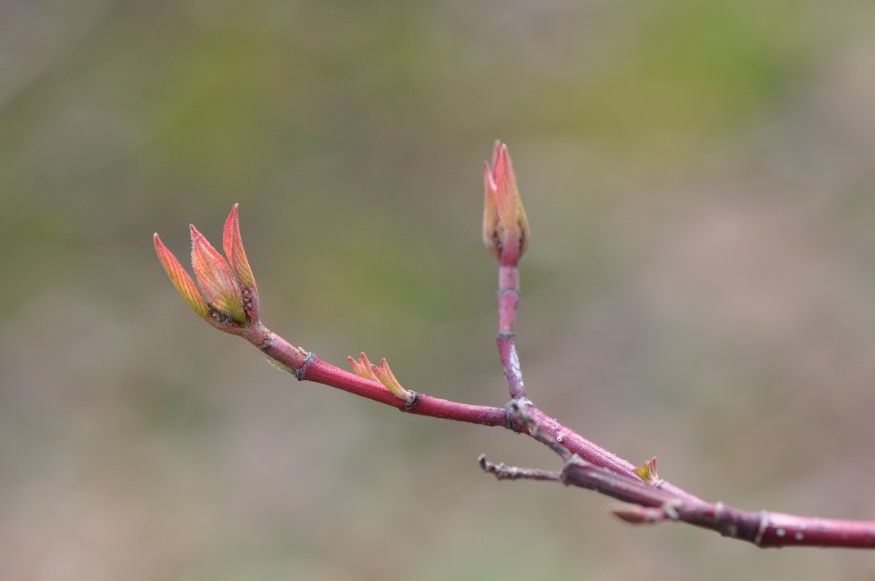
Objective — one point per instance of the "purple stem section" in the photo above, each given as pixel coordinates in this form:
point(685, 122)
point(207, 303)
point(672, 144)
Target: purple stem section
point(764, 529)
point(593, 453)
point(785, 530)
point(508, 303)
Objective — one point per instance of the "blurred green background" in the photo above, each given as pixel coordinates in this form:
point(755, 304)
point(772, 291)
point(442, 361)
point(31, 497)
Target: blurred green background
point(700, 285)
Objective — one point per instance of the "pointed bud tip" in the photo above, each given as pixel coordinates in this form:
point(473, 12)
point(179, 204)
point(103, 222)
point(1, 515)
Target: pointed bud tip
point(362, 367)
point(233, 215)
point(233, 245)
point(505, 226)
point(180, 279)
point(496, 149)
point(488, 176)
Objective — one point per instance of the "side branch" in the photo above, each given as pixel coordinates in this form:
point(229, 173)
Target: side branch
point(504, 472)
point(650, 505)
point(306, 366)
point(226, 297)
point(527, 418)
point(586, 464)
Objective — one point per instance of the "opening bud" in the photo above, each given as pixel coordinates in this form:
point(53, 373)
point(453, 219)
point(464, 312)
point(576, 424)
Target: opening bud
point(225, 294)
point(505, 227)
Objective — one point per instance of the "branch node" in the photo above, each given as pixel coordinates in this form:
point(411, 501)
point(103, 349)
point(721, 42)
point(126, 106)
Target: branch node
point(670, 509)
point(268, 342)
point(573, 460)
point(519, 416)
point(412, 399)
point(301, 373)
point(719, 509)
point(764, 525)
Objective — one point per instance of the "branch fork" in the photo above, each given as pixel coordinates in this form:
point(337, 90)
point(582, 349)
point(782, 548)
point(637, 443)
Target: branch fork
point(226, 296)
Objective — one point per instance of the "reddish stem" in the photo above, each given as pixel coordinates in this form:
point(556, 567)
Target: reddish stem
point(508, 303)
point(653, 504)
point(587, 465)
point(306, 366)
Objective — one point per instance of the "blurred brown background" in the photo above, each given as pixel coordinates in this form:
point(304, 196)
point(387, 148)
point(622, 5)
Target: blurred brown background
point(700, 285)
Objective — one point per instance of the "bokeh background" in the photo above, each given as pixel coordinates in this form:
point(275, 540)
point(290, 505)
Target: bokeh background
point(700, 285)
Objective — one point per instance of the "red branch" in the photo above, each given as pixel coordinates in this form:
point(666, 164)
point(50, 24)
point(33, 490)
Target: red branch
point(226, 297)
point(508, 302)
point(587, 464)
point(306, 366)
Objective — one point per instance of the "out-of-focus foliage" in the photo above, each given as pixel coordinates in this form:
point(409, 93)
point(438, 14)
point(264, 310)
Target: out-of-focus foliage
point(700, 283)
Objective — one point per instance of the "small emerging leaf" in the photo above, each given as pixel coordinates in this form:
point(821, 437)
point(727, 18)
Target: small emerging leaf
point(181, 280)
point(362, 367)
point(648, 473)
point(385, 376)
point(233, 245)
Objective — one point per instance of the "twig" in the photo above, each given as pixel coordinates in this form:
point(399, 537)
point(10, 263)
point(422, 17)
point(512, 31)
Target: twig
point(505, 472)
point(650, 505)
point(508, 301)
point(227, 298)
